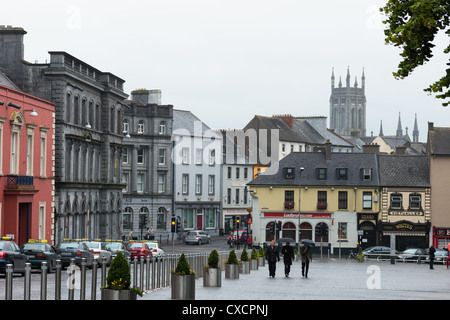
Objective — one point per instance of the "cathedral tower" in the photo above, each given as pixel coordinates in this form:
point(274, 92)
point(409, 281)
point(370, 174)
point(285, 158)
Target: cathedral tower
point(348, 106)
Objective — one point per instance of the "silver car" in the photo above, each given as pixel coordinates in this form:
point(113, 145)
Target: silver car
point(99, 250)
point(197, 236)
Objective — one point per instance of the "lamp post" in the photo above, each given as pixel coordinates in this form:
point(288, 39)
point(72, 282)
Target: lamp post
point(299, 189)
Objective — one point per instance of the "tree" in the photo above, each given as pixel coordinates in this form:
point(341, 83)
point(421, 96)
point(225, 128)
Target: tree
point(412, 26)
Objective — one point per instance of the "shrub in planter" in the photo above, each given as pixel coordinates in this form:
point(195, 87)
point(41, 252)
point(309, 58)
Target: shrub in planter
point(212, 274)
point(245, 263)
point(183, 280)
point(232, 266)
point(254, 260)
point(119, 279)
point(213, 259)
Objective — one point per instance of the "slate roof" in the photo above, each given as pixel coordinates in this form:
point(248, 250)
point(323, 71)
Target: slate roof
point(354, 162)
point(404, 171)
point(185, 120)
point(285, 131)
point(439, 141)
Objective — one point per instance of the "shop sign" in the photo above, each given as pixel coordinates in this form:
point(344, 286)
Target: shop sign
point(295, 215)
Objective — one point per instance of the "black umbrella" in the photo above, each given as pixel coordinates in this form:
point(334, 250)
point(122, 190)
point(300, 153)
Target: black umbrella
point(286, 240)
point(308, 242)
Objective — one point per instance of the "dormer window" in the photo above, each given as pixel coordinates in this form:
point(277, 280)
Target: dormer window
point(342, 173)
point(289, 173)
point(366, 174)
point(321, 173)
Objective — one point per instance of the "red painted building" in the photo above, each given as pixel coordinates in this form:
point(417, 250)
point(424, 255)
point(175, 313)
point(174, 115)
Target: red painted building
point(26, 166)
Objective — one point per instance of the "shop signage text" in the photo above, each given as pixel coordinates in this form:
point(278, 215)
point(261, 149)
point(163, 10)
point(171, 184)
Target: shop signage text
point(295, 215)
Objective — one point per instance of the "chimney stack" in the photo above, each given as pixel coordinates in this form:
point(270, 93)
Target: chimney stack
point(328, 149)
point(371, 148)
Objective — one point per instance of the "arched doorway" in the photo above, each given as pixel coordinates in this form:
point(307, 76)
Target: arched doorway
point(305, 231)
point(368, 239)
point(288, 230)
point(321, 232)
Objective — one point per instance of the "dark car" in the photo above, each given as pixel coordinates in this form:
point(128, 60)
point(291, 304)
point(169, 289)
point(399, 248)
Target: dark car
point(117, 246)
point(378, 252)
point(72, 249)
point(39, 251)
point(413, 254)
point(440, 256)
point(139, 249)
point(10, 254)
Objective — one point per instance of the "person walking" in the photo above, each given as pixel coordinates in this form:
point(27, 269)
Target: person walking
point(288, 257)
point(272, 257)
point(305, 252)
point(432, 250)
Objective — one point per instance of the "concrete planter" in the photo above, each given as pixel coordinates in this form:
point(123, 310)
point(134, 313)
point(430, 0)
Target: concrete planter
point(183, 287)
point(261, 262)
point(231, 271)
point(212, 277)
point(110, 294)
point(245, 267)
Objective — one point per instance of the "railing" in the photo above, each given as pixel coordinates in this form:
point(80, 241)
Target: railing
point(147, 274)
point(16, 180)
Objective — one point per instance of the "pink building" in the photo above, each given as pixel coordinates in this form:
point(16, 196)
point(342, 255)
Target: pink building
point(26, 166)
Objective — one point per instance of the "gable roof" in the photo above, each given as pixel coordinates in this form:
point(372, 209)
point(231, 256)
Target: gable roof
point(439, 141)
point(404, 171)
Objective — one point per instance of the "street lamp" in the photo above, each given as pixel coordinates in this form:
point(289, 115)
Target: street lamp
point(299, 189)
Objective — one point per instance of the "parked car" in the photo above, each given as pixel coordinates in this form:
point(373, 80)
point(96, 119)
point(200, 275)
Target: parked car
point(378, 252)
point(413, 254)
point(10, 254)
point(139, 249)
point(99, 251)
point(73, 249)
point(39, 251)
point(232, 237)
point(440, 256)
point(156, 250)
point(197, 236)
point(117, 246)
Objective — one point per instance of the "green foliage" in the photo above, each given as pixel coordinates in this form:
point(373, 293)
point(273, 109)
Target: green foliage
point(232, 259)
point(213, 259)
point(119, 276)
point(183, 267)
point(360, 257)
point(254, 255)
point(244, 255)
point(261, 252)
point(412, 26)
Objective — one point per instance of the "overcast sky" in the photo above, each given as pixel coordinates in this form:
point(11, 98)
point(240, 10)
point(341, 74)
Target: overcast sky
point(227, 61)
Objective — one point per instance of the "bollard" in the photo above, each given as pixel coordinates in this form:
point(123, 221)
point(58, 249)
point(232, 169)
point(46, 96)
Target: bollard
point(94, 280)
point(9, 278)
point(58, 280)
point(141, 273)
point(103, 271)
point(71, 280)
point(44, 280)
point(27, 281)
point(147, 279)
point(158, 273)
point(153, 274)
point(83, 279)
point(135, 272)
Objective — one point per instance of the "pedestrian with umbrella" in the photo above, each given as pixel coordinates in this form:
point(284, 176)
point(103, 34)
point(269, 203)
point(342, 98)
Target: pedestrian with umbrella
point(272, 257)
point(288, 257)
point(305, 252)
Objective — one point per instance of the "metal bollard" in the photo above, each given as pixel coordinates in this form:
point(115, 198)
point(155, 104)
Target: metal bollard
point(94, 280)
point(58, 280)
point(158, 273)
point(71, 284)
point(147, 279)
point(135, 272)
point(153, 273)
point(44, 280)
point(9, 278)
point(141, 273)
point(83, 279)
point(103, 271)
point(27, 281)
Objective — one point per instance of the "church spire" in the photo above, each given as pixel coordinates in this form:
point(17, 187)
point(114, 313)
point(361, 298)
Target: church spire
point(399, 128)
point(381, 129)
point(348, 77)
point(363, 80)
point(416, 130)
point(332, 78)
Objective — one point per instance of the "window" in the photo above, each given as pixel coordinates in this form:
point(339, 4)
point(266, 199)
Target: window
point(237, 173)
point(342, 173)
point(321, 200)
point(289, 173)
point(140, 182)
point(30, 154)
point(198, 156)
point(161, 183)
point(125, 182)
point(245, 173)
point(212, 157)
point(188, 218)
point(228, 195)
point(367, 174)
point(321, 173)
point(198, 184)
point(14, 152)
point(210, 218)
point(229, 173)
point(126, 126)
point(140, 156)
point(211, 184)
point(127, 218)
point(342, 201)
point(367, 200)
point(342, 231)
point(185, 184)
point(283, 148)
point(289, 196)
point(161, 219)
point(396, 201)
point(185, 155)
point(140, 128)
point(162, 157)
point(43, 156)
point(162, 127)
point(415, 202)
point(125, 155)
point(41, 229)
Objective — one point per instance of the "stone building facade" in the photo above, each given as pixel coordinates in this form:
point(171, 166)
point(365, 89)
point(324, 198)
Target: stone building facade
point(88, 135)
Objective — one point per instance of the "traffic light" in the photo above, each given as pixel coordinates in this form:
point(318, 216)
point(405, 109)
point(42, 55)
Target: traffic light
point(272, 227)
point(173, 225)
point(178, 225)
point(237, 223)
point(279, 226)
